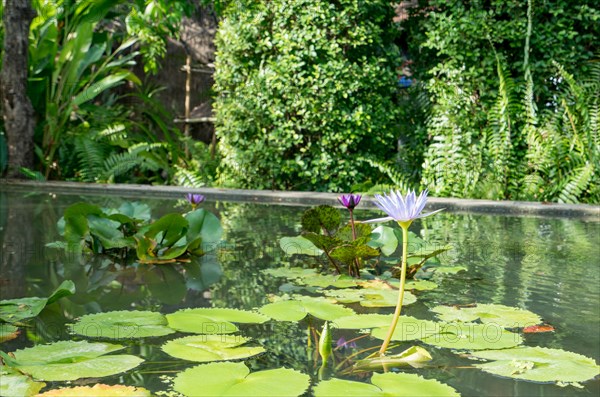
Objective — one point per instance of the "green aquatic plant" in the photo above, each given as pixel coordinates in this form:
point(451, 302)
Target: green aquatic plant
point(119, 232)
point(404, 210)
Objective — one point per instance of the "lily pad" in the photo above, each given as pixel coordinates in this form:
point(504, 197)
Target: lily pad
point(388, 384)
point(212, 320)
point(98, 390)
point(371, 297)
point(69, 360)
point(363, 321)
point(539, 364)
point(408, 328)
point(14, 383)
point(297, 309)
point(474, 337)
point(235, 379)
point(122, 325)
point(299, 246)
point(504, 316)
point(205, 348)
point(8, 332)
point(15, 310)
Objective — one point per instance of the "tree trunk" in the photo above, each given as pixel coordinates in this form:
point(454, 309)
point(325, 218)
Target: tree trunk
point(17, 109)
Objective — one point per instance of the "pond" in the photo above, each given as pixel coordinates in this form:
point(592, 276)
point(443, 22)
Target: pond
point(548, 266)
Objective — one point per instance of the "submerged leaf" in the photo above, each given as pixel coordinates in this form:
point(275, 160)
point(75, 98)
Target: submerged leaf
point(539, 364)
point(235, 379)
point(205, 348)
point(387, 384)
point(122, 325)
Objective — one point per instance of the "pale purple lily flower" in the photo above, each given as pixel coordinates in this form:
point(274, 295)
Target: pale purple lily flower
point(402, 208)
point(349, 201)
point(194, 199)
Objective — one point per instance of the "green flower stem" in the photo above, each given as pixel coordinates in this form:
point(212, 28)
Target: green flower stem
point(388, 338)
point(356, 261)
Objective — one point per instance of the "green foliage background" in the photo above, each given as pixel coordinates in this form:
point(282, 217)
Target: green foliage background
point(305, 92)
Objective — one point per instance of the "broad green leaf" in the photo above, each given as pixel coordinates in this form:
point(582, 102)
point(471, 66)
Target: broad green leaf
point(205, 348)
point(349, 252)
point(322, 242)
point(504, 316)
point(363, 321)
point(539, 364)
point(204, 224)
point(368, 297)
point(414, 356)
point(420, 285)
point(122, 325)
point(107, 231)
point(328, 280)
point(235, 379)
point(14, 310)
point(383, 385)
point(363, 232)
point(100, 86)
point(14, 383)
point(135, 210)
point(69, 360)
point(298, 245)
point(98, 390)
point(8, 332)
point(408, 328)
point(384, 238)
point(295, 310)
point(318, 219)
point(212, 320)
point(462, 336)
point(172, 228)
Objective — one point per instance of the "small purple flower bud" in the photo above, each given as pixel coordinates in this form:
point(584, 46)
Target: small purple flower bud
point(349, 200)
point(342, 344)
point(194, 199)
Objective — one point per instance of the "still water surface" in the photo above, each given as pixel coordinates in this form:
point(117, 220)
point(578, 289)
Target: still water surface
point(548, 266)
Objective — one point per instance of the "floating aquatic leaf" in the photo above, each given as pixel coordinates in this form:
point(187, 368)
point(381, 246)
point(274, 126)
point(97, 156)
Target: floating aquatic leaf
point(449, 269)
point(420, 285)
point(212, 320)
point(414, 356)
point(14, 383)
point(534, 329)
point(363, 321)
point(474, 337)
point(122, 325)
point(297, 309)
point(8, 332)
point(69, 360)
point(204, 225)
point(539, 364)
point(504, 316)
point(388, 384)
point(328, 280)
point(235, 379)
point(371, 297)
point(205, 348)
point(323, 217)
point(15, 310)
point(298, 245)
point(98, 390)
point(408, 328)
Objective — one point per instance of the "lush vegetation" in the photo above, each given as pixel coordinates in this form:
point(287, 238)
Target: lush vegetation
point(502, 100)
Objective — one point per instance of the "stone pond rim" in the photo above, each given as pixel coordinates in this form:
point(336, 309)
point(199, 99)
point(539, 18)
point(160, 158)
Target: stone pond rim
point(586, 212)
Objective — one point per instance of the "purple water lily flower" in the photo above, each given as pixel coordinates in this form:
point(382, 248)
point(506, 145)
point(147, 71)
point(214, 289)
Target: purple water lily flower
point(402, 208)
point(342, 344)
point(349, 201)
point(194, 199)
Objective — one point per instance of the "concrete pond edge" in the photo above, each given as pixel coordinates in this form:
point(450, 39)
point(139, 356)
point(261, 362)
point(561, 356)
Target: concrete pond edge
point(294, 198)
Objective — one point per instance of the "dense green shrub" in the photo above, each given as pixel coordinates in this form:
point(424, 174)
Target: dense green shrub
point(306, 92)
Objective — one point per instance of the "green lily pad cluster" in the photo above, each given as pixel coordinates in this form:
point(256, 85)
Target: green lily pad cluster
point(503, 316)
point(174, 237)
